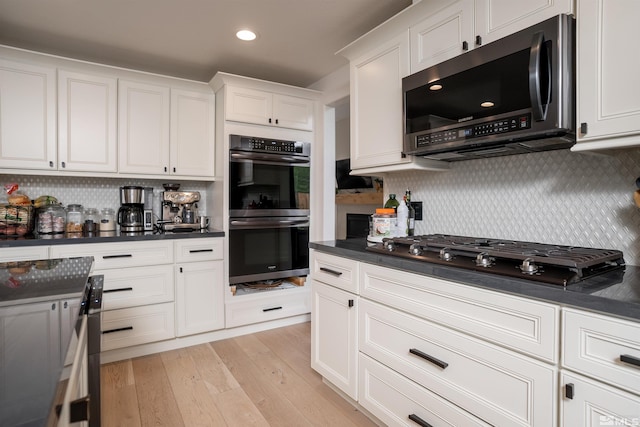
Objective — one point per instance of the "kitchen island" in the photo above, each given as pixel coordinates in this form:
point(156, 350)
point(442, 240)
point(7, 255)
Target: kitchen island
point(39, 307)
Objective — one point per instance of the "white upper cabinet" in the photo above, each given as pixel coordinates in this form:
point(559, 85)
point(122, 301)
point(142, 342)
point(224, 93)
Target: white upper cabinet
point(87, 108)
point(143, 121)
point(270, 109)
point(27, 116)
point(442, 36)
point(608, 95)
point(192, 139)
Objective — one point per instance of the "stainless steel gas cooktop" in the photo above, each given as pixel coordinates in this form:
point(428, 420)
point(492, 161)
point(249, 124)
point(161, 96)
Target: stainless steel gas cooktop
point(553, 264)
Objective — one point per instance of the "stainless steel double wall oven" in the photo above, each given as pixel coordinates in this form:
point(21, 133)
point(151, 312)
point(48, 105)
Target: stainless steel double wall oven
point(268, 208)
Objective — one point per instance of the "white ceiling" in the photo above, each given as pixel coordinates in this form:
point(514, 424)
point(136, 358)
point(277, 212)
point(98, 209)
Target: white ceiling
point(297, 39)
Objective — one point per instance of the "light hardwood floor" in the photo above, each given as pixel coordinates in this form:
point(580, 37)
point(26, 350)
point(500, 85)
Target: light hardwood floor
point(262, 379)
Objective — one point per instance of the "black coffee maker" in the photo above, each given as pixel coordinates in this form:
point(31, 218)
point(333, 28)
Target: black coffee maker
point(131, 212)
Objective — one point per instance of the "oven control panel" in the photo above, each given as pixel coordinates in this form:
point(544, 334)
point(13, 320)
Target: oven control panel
point(257, 144)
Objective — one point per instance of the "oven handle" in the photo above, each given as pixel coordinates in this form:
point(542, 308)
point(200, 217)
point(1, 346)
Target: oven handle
point(271, 158)
point(268, 223)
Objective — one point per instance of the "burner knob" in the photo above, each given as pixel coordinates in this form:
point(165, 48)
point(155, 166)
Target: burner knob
point(390, 245)
point(415, 249)
point(529, 266)
point(484, 260)
point(445, 254)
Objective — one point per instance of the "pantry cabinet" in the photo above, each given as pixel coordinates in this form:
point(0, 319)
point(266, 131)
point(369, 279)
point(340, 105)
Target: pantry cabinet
point(608, 96)
point(87, 131)
point(270, 109)
point(27, 116)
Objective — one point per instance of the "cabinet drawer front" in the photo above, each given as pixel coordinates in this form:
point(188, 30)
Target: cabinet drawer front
point(130, 287)
point(527, 326)
point(597, 345)
point(132, 326)
point(499, 386)
point(119, 255)
point(24, 254)
point(335, 271)
point(199, 250)
point(247, 310)
point(393, 398)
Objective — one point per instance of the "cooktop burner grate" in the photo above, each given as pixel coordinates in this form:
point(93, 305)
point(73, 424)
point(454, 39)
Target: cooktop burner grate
point(541, 262)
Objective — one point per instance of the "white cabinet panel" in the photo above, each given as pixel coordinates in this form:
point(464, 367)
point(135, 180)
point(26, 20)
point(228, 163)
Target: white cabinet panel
point(278, 304)
point(199, 297)
point(87, 108)
point(130, 287)
point(191, 250)
point(293, 112)
point(336, 271)
point(24, 254)
point(27, 116)
point(119, 255)
point(137, 325)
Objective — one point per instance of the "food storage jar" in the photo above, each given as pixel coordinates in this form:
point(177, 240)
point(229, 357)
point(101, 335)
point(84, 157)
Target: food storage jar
point(384, 222)
point(51, 219)
point(75, 219)
point(91, 220)
point(107, 220)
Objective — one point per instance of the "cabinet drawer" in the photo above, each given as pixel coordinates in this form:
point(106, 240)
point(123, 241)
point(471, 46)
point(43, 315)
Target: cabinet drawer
point(527, 326)
point(247, 309)
point(335, 271)
point(393, 398)
point(138, 325)
point(130, 287)
point(198, 250)
point(598, 346)
point(498, 386)
point(24, 254)
point(119, 255)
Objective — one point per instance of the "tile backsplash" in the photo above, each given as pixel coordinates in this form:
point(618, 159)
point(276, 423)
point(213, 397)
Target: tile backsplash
point(556, 197)
point(91, 192)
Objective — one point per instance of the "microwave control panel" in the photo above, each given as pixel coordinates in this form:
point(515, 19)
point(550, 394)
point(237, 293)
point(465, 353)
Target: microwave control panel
point(501, 126)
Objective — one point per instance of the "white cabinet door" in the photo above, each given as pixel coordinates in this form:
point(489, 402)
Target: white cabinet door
point(26, 253)
point(199, 297)
point(20, 328)
point(334, 336)
point(499, 18)
point(292, 112)
point(143, 128)
point(27, 116)
point(442, 36)
point(592, 404)
point(376, 104)
point(192, 133)
point(248, 105)
point(86, 122)
point(607, 90)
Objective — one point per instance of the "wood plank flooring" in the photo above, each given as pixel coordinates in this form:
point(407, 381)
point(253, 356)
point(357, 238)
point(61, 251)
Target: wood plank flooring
point(261, 379)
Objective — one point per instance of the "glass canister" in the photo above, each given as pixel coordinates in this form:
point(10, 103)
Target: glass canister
point(51, 219)
point(91, 220)
point(75, 219)
point(107, 220)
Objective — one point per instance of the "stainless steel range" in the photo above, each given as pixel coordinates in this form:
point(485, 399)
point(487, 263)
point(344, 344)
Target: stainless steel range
point(553, 264)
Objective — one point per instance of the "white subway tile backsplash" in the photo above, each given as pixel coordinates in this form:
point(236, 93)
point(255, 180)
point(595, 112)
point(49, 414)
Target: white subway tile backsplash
point(556, 197)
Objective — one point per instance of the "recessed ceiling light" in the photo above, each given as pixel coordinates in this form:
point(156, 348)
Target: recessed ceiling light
point(435, 87)
point(487, 104)
point(246, 35)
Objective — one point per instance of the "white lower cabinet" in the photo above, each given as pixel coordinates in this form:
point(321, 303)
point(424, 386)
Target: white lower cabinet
point(128, 327)
point(199, 297)
point(248, 309)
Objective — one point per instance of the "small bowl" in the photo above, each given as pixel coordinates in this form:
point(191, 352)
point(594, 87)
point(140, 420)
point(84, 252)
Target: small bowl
point(171, 187)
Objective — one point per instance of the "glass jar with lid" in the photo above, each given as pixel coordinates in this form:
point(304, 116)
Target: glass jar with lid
point(75, 219)
point(51, 219)
point(107, 220)
point(91, 220)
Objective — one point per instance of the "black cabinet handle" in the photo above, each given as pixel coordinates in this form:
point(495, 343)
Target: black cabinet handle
point(631, 360)
point(117, 256)
point(416, 419)
point(195, 251)
point(165, 169)
point(465, 45)
point(568, 391)
point(107, 291)
point(333, 272)
point(269, 119)
point(276, 121)
point(428, 358)
point(126, 328)
point(271, 309)
point(478, 40)
point(50, 164)
point(584, 128)
point(64, 165)
point(350, 303)
point(174, 170)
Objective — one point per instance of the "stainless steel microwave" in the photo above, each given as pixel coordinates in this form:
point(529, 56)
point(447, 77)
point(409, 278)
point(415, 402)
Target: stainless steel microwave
point(515, 95)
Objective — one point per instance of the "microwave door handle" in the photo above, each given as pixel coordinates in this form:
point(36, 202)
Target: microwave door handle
point(535, 91)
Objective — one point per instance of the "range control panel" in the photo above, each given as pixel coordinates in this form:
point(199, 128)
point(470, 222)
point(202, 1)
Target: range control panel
point(505, 125)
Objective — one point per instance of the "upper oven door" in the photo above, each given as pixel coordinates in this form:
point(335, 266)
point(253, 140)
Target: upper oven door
point(268, 184)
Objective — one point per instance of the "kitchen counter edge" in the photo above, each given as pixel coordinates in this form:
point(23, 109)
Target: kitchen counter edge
point(42, 241)
point(582, 299)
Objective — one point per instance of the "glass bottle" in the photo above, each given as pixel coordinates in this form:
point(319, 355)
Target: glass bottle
point(392, 203)
point(412, 213)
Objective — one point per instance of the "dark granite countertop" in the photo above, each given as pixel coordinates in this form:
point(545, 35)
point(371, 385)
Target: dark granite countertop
point(616, 293)
point(35, 335)
point(113, 236)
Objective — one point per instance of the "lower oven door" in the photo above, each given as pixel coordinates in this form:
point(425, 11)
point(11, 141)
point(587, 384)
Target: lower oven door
point(268, 248)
